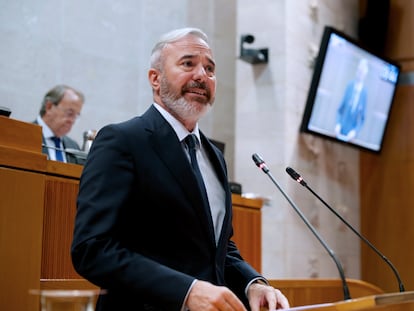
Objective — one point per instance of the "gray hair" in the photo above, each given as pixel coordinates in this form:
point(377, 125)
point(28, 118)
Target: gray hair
point(170, 37)
point(55, 95)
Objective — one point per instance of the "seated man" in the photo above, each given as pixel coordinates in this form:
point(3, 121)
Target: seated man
point(60, 108)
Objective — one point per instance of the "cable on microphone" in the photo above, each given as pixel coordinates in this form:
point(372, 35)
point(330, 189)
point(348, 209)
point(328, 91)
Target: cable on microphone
point(296, 176)
point(262, 165)
point(78, 154)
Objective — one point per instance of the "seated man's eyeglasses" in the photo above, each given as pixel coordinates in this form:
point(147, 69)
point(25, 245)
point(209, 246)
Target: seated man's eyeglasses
point(69, 113)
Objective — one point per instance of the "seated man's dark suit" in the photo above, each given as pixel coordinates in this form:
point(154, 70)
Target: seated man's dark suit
point(68, 143)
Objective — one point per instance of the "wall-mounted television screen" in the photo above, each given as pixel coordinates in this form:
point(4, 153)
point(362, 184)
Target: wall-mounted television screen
point(351, 93)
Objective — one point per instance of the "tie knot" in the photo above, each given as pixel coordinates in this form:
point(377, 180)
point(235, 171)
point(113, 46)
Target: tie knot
point(191, 141)
point(56, 139)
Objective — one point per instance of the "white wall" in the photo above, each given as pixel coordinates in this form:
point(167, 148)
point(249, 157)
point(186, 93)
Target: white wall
point(270, 102)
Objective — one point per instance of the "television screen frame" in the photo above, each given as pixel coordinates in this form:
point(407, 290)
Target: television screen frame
point(336, 66)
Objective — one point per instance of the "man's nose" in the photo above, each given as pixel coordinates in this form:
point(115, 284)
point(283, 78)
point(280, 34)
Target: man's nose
point(200, 72)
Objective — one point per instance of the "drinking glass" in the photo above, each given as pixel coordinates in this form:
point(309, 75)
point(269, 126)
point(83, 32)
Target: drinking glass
point(67, 300)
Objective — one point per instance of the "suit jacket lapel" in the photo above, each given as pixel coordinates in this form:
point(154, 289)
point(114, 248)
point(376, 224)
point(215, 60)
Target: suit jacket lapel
point(170, 151)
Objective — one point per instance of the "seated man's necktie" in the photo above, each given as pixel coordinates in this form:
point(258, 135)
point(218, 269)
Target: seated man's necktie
point(58, 150)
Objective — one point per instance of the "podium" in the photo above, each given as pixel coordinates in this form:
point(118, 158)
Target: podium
point(33, 193)
point(322, 290)
point(22, 183)
point(391, 302)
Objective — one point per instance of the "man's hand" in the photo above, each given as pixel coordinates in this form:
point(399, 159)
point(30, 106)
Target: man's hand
point(262, 295)
point(205, 296)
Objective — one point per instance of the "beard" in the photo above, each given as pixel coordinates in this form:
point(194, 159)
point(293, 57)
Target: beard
point(179, 107)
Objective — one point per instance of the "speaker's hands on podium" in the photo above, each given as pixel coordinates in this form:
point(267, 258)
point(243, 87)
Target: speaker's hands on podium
point(205, 296)
point(262, 295)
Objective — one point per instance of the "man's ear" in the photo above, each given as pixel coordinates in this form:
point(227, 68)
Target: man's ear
point(48, 105)
point(154, 78)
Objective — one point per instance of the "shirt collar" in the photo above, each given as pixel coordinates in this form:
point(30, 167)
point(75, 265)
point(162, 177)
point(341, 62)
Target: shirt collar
point(178, 127)
point(46, 131)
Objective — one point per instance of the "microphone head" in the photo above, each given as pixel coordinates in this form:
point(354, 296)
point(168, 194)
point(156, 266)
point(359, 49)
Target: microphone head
point(292, 173)
point(259, 162)
point(257, 159)
point(295, 176)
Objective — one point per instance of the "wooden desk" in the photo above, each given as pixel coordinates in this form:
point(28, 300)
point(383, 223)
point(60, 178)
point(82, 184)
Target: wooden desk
point(21, 213)
point(247, 225)
point(389, 302)
point(302, 292)
point(61, 188)
point(34, 194)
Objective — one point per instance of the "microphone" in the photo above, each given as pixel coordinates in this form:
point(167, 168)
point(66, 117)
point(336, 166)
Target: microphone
point(300, 180)
point(262, 165)
point(78, 154)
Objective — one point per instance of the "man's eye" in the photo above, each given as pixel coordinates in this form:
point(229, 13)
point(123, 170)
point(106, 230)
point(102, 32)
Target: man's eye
point(210, 69)
point(188, 64)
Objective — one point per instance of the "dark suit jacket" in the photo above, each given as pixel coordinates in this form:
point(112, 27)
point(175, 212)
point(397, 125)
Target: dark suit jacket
point(140, 230)
point(68, 143)
point(352, 119)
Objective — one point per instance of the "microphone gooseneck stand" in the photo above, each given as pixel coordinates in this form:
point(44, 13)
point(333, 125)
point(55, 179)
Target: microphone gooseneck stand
point(296, 176)
point(82, 155)
point(262, 165)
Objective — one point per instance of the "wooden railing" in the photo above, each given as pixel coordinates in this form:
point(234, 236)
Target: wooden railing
point(316, 291)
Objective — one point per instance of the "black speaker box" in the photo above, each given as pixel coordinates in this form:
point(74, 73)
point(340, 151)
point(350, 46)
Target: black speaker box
point(235, 188)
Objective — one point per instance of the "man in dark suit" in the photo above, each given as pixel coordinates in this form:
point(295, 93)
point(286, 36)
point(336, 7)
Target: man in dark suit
point(60, 108)
point(144, 231)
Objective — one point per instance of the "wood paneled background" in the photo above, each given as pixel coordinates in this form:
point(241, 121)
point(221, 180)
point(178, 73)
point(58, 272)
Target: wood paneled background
point(387, 180)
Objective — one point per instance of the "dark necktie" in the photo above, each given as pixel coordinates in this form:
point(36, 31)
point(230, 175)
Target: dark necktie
point(58, 150)
point(191, 142)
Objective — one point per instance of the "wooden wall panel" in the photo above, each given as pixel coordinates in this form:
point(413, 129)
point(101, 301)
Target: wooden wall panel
point(59, 215)
point(387, 180)
point(387, 196)
point(400, 36)
point(21, 216)
point(247, 225)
